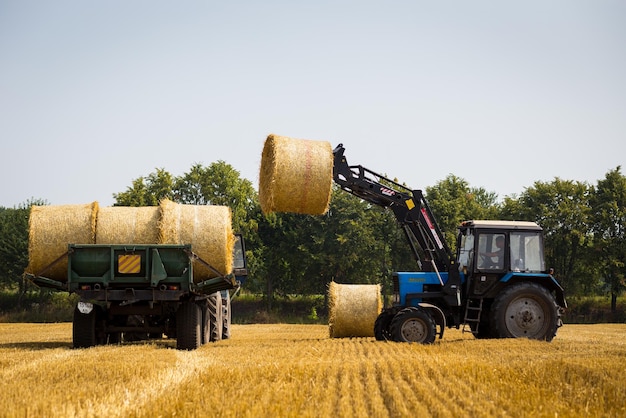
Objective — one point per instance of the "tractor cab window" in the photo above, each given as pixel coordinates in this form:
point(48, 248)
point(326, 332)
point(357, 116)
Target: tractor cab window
point(526, 252)
point(465, 248)
point(491, 251)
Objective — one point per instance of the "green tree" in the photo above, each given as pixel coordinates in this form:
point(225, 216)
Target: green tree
point(354, 242)
point(453, 201)
point(14, 245)
point(147, 191)
point(220, 184)
point(608, 201)
point(562, 209)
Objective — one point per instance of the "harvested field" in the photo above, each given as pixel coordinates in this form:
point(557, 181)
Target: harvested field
point(298, 371)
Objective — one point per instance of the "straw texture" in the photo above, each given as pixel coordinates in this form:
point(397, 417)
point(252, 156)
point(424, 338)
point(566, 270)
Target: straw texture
point(207, 228)
point(128, 225)
point(353, 309)
point(296, 175)
point(51, 229)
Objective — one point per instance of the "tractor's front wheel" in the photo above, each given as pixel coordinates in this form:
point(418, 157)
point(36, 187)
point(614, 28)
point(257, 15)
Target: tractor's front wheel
point(525, 310)
point(413, 325)
point(382, 330)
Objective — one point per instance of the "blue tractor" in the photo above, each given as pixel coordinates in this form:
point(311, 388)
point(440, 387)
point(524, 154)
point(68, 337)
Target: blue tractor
point(496, 285)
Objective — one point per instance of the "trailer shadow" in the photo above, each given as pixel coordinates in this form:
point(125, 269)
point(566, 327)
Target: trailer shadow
point(51, 345)
point(36, 345)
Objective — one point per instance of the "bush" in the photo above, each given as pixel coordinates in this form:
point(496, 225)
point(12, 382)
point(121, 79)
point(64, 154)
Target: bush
point(593, 310)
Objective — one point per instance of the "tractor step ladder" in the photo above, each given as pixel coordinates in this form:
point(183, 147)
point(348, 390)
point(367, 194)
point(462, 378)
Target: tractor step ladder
point(473, 311)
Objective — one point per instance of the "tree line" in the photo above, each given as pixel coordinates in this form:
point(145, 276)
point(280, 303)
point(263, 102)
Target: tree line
point(356, 242)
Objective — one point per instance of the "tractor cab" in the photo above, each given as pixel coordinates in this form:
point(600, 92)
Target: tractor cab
point(494, 248)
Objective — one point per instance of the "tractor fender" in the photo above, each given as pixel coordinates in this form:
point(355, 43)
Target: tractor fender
point(438, 316)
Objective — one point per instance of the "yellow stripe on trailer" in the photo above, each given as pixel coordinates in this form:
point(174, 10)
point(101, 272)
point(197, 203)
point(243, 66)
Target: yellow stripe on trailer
point(129, 264)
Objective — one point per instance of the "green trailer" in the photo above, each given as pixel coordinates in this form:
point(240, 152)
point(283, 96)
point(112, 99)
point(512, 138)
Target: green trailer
point(132, 292)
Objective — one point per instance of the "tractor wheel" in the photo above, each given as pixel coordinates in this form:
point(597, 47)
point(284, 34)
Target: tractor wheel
point(382, 331)
point(84, 327)
point(188, 322)
point(215, 312)
point(413, 325)
point(227, 316)
point(525, 310)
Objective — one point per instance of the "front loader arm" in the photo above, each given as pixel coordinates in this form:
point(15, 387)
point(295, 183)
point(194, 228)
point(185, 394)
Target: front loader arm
point(409, 207)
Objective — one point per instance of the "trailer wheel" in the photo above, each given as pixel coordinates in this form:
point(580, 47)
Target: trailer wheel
point(188, 321)
point(206, 321)
point(525, 310)
point(413, 325)
point(84, 328)
point(215, 311)
point(382, 330)
point(227, 316)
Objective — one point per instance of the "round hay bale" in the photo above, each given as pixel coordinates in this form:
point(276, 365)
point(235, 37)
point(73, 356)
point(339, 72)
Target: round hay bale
point(128, 225)
point(353, 309)
point(51, 229)
point(207, 228)
point(296, 175)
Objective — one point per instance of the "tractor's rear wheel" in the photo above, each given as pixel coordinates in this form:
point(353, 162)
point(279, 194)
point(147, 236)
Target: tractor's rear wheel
point(188, 325)
point(525, 310)
point(413, 325)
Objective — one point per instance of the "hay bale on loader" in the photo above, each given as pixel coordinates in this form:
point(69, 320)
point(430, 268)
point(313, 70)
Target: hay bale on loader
point(296, 175)
point(207, 228)
point(51, 229)
point(128, 225)
point(353, 309)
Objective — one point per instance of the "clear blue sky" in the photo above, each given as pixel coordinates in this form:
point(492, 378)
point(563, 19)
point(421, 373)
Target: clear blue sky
point(94, 94)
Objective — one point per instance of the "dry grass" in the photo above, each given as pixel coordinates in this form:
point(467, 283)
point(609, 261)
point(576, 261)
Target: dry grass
point(296, 175)
point(297, 371)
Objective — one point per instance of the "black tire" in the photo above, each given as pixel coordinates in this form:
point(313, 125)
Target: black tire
point(483, 331)
point(84, 328)
point(114, 337)
point(525, 310)
point(215, 312)
point(188, 321)
point(206, 321)
point(413, 325)
point(227, 316)
point(382, 325)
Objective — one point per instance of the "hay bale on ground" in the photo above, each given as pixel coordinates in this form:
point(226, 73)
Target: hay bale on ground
point(207, 228)
point(51, 229)
point(296, 175)
point(353, 309)
point(128, 225)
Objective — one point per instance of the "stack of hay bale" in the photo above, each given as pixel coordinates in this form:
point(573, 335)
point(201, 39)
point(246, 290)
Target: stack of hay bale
point(207, 228)
point(296, 176)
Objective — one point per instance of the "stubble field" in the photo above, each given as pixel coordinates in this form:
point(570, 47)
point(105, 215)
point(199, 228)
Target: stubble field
point(298, 371)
